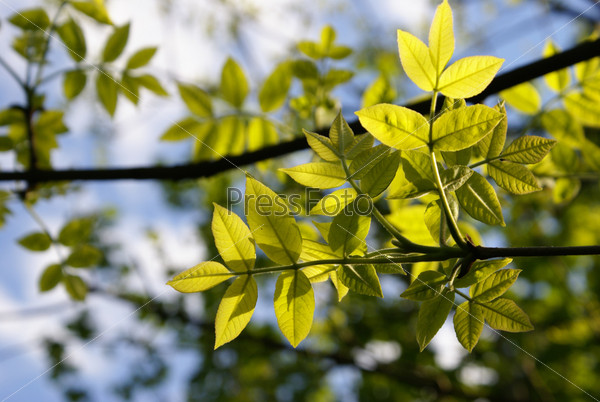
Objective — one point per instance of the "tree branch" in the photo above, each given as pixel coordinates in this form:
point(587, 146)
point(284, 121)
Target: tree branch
point(582, 52)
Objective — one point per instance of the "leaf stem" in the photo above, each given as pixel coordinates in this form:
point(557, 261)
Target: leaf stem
point(12, 72)
point(48, 33)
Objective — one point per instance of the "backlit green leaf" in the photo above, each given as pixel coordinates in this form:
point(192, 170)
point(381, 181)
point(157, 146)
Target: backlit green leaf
point(235, 310)
point(294, 304)
point(234, 86)
point(366, 160)
point(141, 58)
point(432, 315)
point(107, 91)
point(416, 61)
point(342, 290)
point(74, 82)
point(584, 108)
point(274, 91)
point(360, 279)
point(322, 146)
point(201, 277)
point(427, 285)
point(76, 231)
point(494, 285)
point(261, 133)
point(33, 19)
point(461, 128)
point(274, 228)
point(93, 9)
point(379, 177)
point(433, 215)
point(321, 175)
point(455, 177)
point(523, 97)
point(36, 241)
point(565, 189)
point(51, 277)
point(73, 38)
point(360, 144)
point(116, 43)
point(562, 126)
point(528, 149)
point(557, 80)
point(152, 84)
point(84, 256)
point(75, 287)
point(332, 204)
point(341, 134)
point(197, 100)
point(233, 240)
point(479, 200)
point(441, 37)
point(395, 126)
point(380, 91)
point(513, 177)
point(481, 270)
point(505, 315)
point(468, 324)
point(350, 227)
point(469, 76)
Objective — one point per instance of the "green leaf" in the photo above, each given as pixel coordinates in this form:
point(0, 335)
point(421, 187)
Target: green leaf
point(491, 145)
point(361, 279)
point(321, 175)
point(341, 134)
point(360, 144)
point(418, 176)
point(455, 177)
point(432, 315)
point(350, 227)
point(494, 285)
point(152, 84)
point(462, 157)
point(479, 271)
point(459, 129)
point(36, 241)
point(426, 286)
point(310, 49)
point(564, 158)
point(366, 160)
point(116, 43)
point(433, 215)
point(234, 87)
point(107, 91)
point(380, 91)
point(565, 190)
point(51, 277)
point(74, 82)
point(6, 144)
point(468, 324)
point(197, 101)
point(379, 177)
point(584, 108)
point(201, 277)
point(261, 133)
point(76, 231)
point(562, 126)
point(294, 304)
point(513, 177)
point(557, 80)
point(274, 91)
point(235, 310)
point(469, 76)
point(336, 77)
point(84, 256)
point(342, 290)
point(305, 70)
point(528, 149)
point(130, 87)
point(479, 200)
point(141, 58)
point(332, 204)
point(441, 37)
point(322, 146)
point(523, 97)
point(271, 223)
point(72, 36)
point(186, 129)
point(233, 240)
point(395, 126)
point(33, 19)
point(75, 287)
point(416, 61)
point(93, 9)
point(505, 315)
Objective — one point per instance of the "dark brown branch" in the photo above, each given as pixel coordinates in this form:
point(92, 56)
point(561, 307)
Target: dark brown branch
point(484, 253)
point(582, 52)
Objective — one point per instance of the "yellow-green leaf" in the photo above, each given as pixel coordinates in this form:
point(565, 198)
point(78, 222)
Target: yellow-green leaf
point(196, 99)
point(73, 38)
point(322, 146)
point(505, 315)
point(33, 19)
point(294, 304)
point(459, 129)
point(491, 145)
point(494, 285)
point(233, 240)
point(271, 223)
point(141, 58)
point(523, 97)
point(557, 80)
point(261, 133)
point(395, 126)
point(441, 37)
point(74, 82)
point(562, 126)
point(274, 91)
point(51, 277)
point(332, 204)
point(360, 279)
point(115, 44)
point(361, 143)
point(426, 286)
point(479, 200)
point(380, 91)
point(234, 86)
point(379, 177)
point(84, 256)
point(107, 91)
point(341, 134)
point(321, 175)
point(36, 241)
point(366, 160)
point(513, 177)
point(350, 227)
point(479, 271)
point(342, 289)
point(93, 9)
point(584, 108)
point(432, 315)
point(416, 61)
point(235, 309)
point(528, 149)
point(469, 76)
point(75, 287)
point(468, 324)
point(200, 277)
